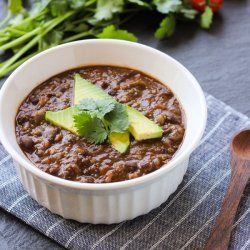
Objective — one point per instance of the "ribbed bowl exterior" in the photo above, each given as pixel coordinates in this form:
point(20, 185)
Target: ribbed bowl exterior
point(102, 206)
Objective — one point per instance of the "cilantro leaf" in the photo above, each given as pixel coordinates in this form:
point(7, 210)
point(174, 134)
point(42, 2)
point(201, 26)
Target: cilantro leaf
point(167, 6)
point(96, 132)
point(166, 28)
point(39, 5)
point(111, 32)
point(15, 6)
point(81, 121)
point(59, 7)
point(77, 3)
point(189, 13)
point(90, 127)
point(206, 18)
point(97, 107)
point(54, 37)
point(107, 8)
point(118, 119)
point(22, 26)
point(98, 118)
point(87, 105)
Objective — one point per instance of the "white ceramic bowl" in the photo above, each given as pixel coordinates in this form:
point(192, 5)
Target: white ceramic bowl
point(114, 202)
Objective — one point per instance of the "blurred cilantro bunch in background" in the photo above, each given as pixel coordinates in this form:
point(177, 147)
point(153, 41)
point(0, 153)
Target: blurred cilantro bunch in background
point(28, 31)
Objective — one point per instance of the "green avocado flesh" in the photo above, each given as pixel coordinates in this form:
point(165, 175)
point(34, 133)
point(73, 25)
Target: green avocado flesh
point(120, 141)
point(140, 126)
point(63, 118)
point(84, 89)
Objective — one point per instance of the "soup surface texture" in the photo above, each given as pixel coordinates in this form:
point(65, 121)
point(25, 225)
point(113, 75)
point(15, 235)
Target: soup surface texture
point(60, 153)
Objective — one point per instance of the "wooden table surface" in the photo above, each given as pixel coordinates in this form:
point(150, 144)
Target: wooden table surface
point(218, 58)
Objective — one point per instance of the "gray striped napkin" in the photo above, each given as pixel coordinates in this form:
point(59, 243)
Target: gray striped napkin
point(183, 222)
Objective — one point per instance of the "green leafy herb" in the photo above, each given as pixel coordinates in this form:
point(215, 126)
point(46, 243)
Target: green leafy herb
point(168, 6)
point(75, 4)
point(107, 8)
point(206, 18)
point(166, 27)
point(188, 13)
point(28, 31)
point(39, 6)
point(111, 32)
point(118, 119)
point(15, 6)
point(52, 38)
point(59, 7)
point(98, 118)
point(90, 127)
point(99, 107)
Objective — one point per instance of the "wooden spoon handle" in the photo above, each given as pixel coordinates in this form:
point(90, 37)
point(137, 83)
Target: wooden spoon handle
point(220, 236)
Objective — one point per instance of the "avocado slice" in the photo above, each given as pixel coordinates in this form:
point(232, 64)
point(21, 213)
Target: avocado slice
point(85, 89)
point(140, 126)
point(120, 141)
point(63, 118)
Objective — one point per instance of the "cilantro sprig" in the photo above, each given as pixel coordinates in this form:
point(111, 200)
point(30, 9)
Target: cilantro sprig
point(98, 118)
point(90, 127)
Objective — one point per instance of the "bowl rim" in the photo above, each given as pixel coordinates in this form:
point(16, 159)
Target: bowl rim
point(26, 163)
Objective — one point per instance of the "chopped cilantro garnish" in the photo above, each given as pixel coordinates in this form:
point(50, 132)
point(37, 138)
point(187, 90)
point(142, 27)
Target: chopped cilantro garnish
point(92, 128)
point(117, 119)
point(98, 118)
point(100, 107)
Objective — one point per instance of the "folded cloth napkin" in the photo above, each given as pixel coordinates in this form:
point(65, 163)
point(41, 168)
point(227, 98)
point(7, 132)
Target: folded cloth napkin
point(184, 221)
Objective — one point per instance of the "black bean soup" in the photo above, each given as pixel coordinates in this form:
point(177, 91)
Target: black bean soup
point(60, 153)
